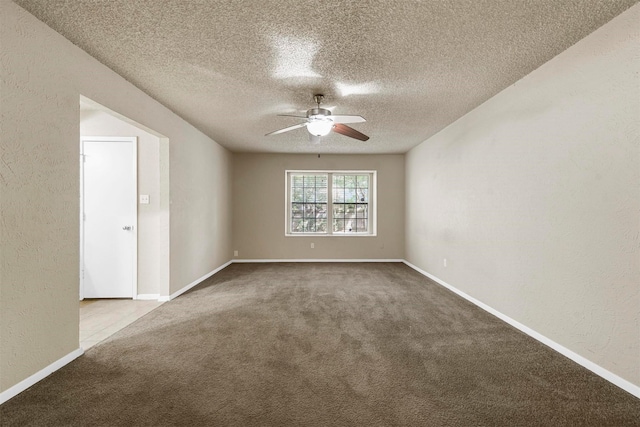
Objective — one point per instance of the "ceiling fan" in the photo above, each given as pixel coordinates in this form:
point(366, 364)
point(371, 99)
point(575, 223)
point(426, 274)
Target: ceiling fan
point(319, 122)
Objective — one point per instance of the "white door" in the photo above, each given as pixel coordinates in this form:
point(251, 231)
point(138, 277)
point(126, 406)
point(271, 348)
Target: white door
point(108, 217)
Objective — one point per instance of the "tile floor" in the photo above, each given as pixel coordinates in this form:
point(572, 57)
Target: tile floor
point(101, 318)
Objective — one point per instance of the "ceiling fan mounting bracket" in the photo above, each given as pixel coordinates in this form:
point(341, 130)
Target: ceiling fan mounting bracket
point(318, 98)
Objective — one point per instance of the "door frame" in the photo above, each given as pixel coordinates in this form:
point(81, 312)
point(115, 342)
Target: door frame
point(134, 195)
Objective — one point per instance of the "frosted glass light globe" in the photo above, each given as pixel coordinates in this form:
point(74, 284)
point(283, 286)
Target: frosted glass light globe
point(319, 127)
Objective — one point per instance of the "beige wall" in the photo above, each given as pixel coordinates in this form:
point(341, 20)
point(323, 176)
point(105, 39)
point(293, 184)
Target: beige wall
point(42, 78)
point(100, 123)
point(533, 198)
point(200, 210)
point(259, 208)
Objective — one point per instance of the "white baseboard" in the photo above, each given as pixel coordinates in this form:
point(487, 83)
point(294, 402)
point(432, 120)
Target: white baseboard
point(314, 260)
point(164, 298)
point(194, 283)
point(145, 297)
point(41, 374)
point(593, 367)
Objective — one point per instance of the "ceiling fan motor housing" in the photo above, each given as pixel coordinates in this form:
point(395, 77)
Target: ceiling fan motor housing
point(318, 112)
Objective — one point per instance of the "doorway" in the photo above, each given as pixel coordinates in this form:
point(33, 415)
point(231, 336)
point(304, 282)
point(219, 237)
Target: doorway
point(153, 207)
point(108, 217)
point(101, 317)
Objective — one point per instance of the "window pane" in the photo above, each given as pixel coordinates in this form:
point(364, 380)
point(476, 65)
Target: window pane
point(309, 195)
point(350, 195)
point(338, 211)
point(321, 211)
point(338, 181)
point(297, 210)
point(322, 181)
point(309, 210)
point(350, 181)
point(361, 225)
point(338, 225)
point(297, 225)
point(321, 195)
point(350, 210)
point(297, 195)
point(310, 225)
point(309, 180)
point(362, 211)
point(363, 195)
point(321, 226)
point(363, 181)
point(348, 225)
point(338, 195)
point(297, 181)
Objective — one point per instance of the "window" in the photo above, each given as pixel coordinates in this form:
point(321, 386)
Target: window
point(309, 196)
point(347, 209)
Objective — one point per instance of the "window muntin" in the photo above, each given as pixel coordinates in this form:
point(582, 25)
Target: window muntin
point(347, 209)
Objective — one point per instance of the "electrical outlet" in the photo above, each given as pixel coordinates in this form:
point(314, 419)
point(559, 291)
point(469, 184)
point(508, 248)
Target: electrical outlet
point(313, 245)
point(445, 262)
point(235, 253)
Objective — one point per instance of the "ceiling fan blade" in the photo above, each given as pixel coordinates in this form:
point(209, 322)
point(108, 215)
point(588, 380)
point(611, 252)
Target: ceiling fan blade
point(298, 126)
point(349, 131)
point(347, 119)
point(292, 115)
point(314, 139)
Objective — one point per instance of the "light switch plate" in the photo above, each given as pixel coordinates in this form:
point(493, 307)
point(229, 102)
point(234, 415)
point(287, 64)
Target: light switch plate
point(144, 199)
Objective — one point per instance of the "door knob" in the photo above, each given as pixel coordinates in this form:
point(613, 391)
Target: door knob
point(127, 227)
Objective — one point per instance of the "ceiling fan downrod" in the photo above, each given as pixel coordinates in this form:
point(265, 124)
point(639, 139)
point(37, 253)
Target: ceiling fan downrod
point(318, 113)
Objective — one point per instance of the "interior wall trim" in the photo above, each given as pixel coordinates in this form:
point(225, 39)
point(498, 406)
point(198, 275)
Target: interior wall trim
point(40, 375)
point(581, 360)
point(146, 297)
point(194, 283)
point(316, 260)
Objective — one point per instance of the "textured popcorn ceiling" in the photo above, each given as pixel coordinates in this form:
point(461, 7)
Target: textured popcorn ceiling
point(409, 67)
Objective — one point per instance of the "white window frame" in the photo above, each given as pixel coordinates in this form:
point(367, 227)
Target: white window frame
point(373, 202)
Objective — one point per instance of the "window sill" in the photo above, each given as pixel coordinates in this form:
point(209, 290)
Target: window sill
point(329, 235)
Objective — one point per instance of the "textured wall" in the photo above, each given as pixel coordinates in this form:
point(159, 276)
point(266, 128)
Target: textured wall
point(99, 123)
point(533, 198)
point(43, 76)
point(200, 210)
point(39, 174)
point(259, 208)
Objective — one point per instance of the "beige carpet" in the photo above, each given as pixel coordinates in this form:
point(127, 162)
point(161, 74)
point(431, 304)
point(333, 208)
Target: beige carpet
point(321, 345)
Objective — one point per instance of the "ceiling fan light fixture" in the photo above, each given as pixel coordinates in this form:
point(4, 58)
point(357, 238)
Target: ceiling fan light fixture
point(320, 122)
point(319, 127)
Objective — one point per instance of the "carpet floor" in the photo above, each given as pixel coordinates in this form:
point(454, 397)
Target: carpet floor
point(322, 344)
